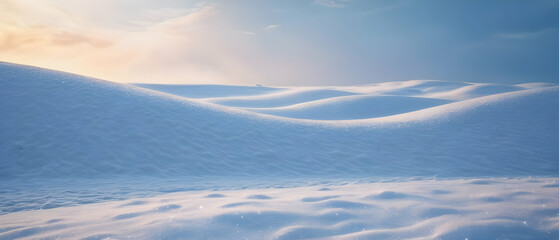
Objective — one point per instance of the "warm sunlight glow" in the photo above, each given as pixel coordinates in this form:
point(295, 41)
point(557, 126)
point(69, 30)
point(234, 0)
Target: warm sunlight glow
point(150, 45)
point(314, 42)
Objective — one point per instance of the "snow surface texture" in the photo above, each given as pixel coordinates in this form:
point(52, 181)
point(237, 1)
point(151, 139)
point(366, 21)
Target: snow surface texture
point(76, 147)
point(57, 125)
point(447, 209)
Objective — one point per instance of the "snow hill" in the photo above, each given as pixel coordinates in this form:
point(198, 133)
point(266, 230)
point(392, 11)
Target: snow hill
point(83, 158)
point(58, 125)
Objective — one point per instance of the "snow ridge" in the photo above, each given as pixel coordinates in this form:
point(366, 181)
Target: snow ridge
point(58, 125)
point(84, 158)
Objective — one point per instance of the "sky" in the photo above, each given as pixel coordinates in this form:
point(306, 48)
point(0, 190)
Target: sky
point(288, 42)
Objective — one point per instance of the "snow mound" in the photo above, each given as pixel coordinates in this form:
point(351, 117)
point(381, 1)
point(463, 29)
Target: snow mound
point(356, 102)
point(209, 91)
point(280, 99)
point(449, 209)
point(58, 125)
point(474, 91)
point(352, 107)
point(420, 87)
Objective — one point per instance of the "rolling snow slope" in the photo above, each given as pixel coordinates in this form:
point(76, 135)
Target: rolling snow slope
point(210, 91)
point(352, 107)
point(58, 125)
point(83, 158)
point(350, 102)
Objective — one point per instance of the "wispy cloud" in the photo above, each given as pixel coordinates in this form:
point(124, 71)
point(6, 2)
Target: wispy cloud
point(180, 24)
point(173, 45)
point(66, 39)
point(272, 26)
point(332, 3)
point(32, 28)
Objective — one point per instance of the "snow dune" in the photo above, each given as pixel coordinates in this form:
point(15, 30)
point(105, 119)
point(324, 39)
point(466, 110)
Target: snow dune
point(352, 107)
point(473, 91)
point(91, 159)
point(285, 98)
point(354, 102)
point(209, 91)
point(59, 125)
point(420, 87)
point(449, 209)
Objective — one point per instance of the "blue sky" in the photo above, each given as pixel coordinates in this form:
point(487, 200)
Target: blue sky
point(314, 42)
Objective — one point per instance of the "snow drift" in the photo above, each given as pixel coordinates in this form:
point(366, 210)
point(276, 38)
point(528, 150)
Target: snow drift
point(83, 158)
point(449, 209)
point(57, 125)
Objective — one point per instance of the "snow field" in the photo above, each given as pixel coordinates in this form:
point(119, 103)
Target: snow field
point(442, 209)
point(84, 158)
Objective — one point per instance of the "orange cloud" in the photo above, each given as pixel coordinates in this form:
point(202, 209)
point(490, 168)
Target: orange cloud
point(166, 45)
point(65, 38)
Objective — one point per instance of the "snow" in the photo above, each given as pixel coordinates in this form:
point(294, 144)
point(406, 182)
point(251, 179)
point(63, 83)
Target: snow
point(280, 99)
point(351, 107)
point(421, 159)
point(209, 91)
point(473, 91)
point(448, 209)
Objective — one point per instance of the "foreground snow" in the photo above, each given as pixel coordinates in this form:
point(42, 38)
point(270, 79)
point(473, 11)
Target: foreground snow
point(445, 209)
point(86, 158)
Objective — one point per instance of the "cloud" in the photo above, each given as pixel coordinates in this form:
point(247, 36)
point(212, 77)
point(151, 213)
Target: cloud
point(193, 18)
point(246, 32)
point(64, 38)
point(156, 45)
point(36, 29)
point(332, 3)
point(137, 41)
point(270, 27)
